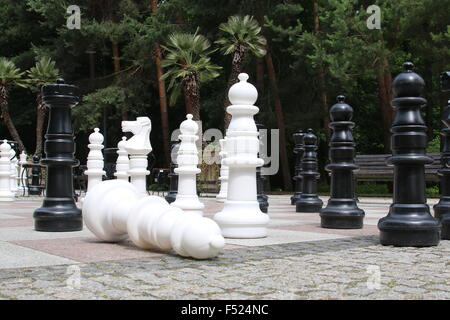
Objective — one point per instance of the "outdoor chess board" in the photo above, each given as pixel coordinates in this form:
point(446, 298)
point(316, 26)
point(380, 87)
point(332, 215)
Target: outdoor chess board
point(22, 246)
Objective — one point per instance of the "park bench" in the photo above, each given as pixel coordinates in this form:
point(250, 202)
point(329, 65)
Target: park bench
point(373, 167)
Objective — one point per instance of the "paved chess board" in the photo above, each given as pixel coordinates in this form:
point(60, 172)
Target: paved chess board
point(298, 260)
point(22, 246)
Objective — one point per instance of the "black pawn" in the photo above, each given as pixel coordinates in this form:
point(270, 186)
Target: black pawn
point(298, 150)
point(342, 211)
point(409, 222)
point(59, 211)
point(35, 187)
point(309, 200)
point(260, 179)
point(173, 176)
point(442, 209)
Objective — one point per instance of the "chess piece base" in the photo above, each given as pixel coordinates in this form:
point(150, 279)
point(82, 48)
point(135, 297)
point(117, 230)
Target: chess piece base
point(341, 214)
point(308, 203)
point(442, 213)
point(242, 220)
point(409, 225)
point(58, 218)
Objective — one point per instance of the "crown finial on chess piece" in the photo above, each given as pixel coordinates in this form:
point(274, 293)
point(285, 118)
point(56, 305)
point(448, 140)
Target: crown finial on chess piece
point(189, 126)
point(96, 137)
point(243, 92)
point(408, 83)
point(341, 111)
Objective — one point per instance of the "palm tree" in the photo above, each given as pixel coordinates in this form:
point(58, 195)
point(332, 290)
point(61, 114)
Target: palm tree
point(243, 35)
point(10, 76)
point(44, 72)
point(189, 65)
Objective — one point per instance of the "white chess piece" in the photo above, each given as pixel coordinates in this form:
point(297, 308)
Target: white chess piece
point(115, 209)
point(241, 216)
point(95, 159)
point(5, 172)
point(123, 162)
point(187, 160)
point(22, 177)
point(221, 197)
point(138, 147)
point(13, 171)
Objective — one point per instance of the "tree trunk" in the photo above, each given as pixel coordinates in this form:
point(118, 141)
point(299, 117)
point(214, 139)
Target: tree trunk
point(162, 97)
point(116, 61)
point(7, 119)
point(260, 75)
point(192, 96)
point(284, 164)
point(40, 119)
point(384, 80)
point(321, 78)
point(236, 67)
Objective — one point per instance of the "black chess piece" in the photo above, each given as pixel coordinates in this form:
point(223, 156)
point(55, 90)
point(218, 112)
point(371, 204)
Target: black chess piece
point(173, 176)
point(298, 150)
point(59, 211)
point(309, 200)
point(342, 212)
point(409, 222)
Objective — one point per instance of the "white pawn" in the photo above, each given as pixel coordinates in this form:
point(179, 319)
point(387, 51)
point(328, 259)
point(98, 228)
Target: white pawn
point(23, 161)
point(221, 197)
point(95, 159)
point(123, 162)
point(5, 172)
point(187, 160)
point(241, 216)
point(13, 171)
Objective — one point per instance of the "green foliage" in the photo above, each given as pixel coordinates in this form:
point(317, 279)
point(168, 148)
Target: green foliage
point(10, 75)
point(434, 145)
point(187, 54)
point(242, 31)
point(44, 72)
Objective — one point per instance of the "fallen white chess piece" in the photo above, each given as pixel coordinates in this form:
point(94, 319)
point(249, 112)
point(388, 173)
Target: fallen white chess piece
point(115, 209)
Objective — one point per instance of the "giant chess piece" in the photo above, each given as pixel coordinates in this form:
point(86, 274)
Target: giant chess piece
point(187, 161)
point(342, 212)
point(298, 151)
point(241, 216)
point(442, 208)
point(260, 180)
point(138, 147)
point(95, 159)
point(59, 211)
point(13, 170)
point(123, 162)
point(115, 209)
point(173, 176)
point(409, 222)
point(35, 187)
point(23, 177)
point(309, 200)
point(5, 172)
point(222, 195)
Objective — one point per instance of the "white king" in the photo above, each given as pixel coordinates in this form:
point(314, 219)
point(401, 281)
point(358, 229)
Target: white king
point(241, 216)
point(187, 161)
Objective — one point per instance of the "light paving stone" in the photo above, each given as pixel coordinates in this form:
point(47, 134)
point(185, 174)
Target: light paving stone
point(283, 236)
point(28, 233)
point(14, 256)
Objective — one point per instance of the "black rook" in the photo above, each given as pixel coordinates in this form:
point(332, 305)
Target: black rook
point(298, 150)
point(309, 201)
point(59, 211)
point(342, 211)
point(409, 222)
